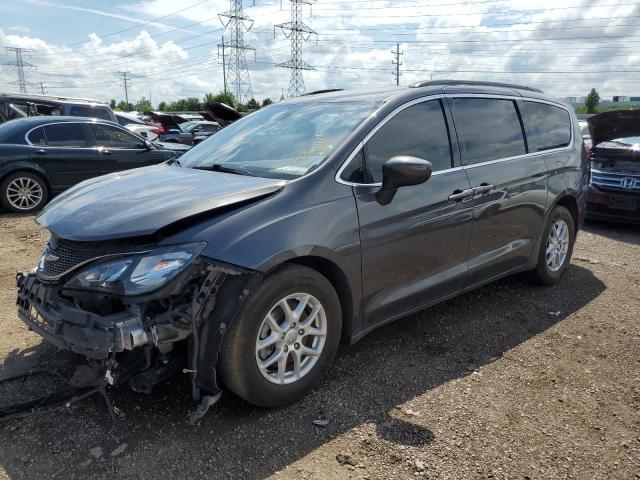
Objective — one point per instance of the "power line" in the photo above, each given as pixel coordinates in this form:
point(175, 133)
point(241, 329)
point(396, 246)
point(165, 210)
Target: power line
point(237, 72)
point(298, 32)
point(20, 66)
point(43, 87)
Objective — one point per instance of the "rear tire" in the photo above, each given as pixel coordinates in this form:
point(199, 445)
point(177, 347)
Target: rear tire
point(23, 192)
point(556, 247)
point(300, 347)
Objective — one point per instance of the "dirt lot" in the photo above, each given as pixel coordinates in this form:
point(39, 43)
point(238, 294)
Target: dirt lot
point(510, 381)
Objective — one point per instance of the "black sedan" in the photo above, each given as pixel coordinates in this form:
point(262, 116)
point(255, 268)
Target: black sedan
point(42, 156)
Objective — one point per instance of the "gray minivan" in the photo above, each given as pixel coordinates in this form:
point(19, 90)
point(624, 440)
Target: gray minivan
point(21, 105)
point(304, 224)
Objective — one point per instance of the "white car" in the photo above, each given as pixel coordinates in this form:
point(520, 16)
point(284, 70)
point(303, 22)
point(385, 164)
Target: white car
point(133, 123)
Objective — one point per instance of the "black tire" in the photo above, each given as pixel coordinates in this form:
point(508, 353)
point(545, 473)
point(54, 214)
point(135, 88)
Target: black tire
point(543, 274)
point(28, 176)
point(238, 364)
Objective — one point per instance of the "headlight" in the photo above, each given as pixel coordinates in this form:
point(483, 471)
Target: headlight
point(137, 274)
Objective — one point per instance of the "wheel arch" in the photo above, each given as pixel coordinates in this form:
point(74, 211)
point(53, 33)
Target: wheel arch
point(29, 168)
point(569, 201)
point(339, 280)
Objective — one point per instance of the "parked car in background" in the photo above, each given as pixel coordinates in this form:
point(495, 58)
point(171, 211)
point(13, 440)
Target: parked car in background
point(42, 156)
point(188, 131)
point(584, 132)
point(614, 193)
point(18, 105)
point(134, 124)
point(304, 224)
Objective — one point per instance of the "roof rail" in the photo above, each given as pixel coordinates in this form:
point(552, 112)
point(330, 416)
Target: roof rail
point(430, 83)
point(326, 90)
point(51, 97)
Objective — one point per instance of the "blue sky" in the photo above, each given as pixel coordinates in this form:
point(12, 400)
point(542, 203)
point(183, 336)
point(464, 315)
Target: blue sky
point(170, 46)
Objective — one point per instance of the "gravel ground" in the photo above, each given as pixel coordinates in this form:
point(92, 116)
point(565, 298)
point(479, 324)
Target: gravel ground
point(510, 381)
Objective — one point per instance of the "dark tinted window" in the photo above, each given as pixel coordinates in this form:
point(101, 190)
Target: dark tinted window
point(488, 129)
point(37, 137)
point(65, 135)
point(419, 131)
point(92, 112)
point(113, 137)
point(546, 126)
point(354, 171)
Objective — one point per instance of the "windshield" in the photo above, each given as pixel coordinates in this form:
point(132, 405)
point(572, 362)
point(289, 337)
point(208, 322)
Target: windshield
point(186, 126)
point(281, 141)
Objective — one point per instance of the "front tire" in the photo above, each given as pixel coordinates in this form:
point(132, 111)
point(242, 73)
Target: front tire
point(556, 247)
point(23, 192)
point(283, 339)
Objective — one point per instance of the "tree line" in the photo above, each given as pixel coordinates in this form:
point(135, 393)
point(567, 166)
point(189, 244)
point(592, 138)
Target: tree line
point(190, 104)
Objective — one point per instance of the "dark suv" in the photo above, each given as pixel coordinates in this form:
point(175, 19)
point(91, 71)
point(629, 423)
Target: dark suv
point(20, 105)
point(303, 224)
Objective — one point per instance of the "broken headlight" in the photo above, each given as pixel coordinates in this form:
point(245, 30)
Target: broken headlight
point(137, 274)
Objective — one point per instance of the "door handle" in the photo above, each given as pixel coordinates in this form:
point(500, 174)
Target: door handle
point(459, 195)
point(483, 188)
point(41, 151)
point(106, 152)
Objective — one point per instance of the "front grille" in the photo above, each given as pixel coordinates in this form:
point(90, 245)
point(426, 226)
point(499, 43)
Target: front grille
point(61, 255)
point(619, 182)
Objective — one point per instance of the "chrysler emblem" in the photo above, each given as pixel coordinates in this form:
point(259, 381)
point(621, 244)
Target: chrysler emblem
point(50, 257)
point(628, 182)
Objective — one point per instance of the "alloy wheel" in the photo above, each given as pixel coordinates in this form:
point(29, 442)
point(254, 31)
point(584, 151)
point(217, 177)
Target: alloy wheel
point(24, 193)
point(291, 338)
point(557, 245)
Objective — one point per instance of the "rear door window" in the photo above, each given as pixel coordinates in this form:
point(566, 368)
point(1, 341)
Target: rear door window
point(37, 137)
point(488, 129)
point(113, 137)
point(547, 126)
point(66, 135)
point(419, 131)
point(91, 112)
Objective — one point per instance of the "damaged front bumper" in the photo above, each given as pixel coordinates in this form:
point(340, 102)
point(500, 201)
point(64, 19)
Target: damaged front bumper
point(145, 339)
point(68, 327)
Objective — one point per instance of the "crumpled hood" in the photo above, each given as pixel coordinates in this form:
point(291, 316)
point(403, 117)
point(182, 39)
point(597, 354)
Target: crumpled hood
point(611, 125)
point(141, 201)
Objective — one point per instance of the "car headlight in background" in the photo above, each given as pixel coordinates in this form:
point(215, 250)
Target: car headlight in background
point(137, 274)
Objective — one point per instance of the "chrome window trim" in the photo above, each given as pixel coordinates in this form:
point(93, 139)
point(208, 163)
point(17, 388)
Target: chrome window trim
point(108, 123)
point(569, 147)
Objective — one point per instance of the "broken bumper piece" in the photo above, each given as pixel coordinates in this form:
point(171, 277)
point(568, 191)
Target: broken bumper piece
point(68, 327)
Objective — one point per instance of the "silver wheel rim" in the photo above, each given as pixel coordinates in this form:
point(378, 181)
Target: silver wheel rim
point(24, 193)
point(291, 338)
point(557, 245)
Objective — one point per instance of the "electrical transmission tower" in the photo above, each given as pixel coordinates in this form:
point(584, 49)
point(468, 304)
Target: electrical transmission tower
point(43, 87)
point(298, 32)
point(126, 78)
point(237, 73)
point(20, 65)
point(397, 63)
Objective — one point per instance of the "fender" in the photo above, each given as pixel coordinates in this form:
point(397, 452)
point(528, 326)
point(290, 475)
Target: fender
point(22, 166)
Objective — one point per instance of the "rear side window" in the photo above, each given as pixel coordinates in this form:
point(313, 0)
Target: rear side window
point(91, 112)
point(488, 129)
point(37, 137)
point(547, 126)
point(65, 135)
point(419, 131)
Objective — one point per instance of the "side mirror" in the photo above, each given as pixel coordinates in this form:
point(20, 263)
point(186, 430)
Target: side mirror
point(146, 145)
point(402, 171)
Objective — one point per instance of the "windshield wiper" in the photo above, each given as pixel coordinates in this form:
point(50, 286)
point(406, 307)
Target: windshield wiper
point(174, 160)
point(218, 167)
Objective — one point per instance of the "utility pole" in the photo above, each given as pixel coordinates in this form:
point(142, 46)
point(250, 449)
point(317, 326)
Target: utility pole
point(20, 65)
point(43, 87)
point(126, 78)
point(237, 72)
point(298, 32)
point(397, 63)
point(224, 65)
